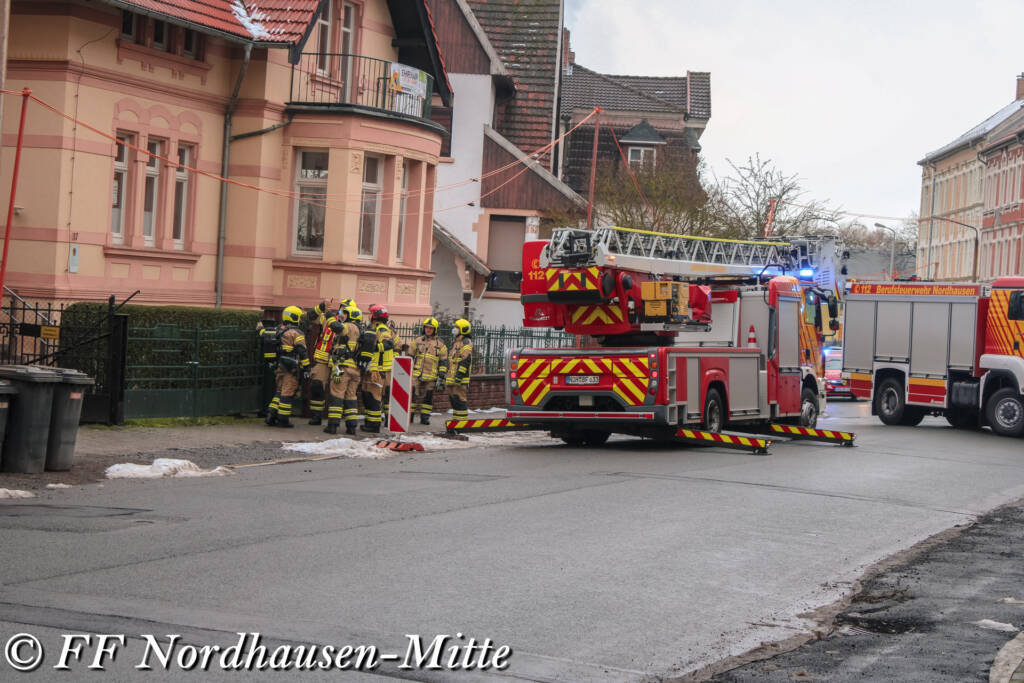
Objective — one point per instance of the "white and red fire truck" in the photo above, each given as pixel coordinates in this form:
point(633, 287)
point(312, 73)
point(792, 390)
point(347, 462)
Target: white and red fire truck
point(681, 332)
point(951, 350)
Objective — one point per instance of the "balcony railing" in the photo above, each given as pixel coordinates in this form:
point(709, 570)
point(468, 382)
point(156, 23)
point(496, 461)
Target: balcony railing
point(322, 79)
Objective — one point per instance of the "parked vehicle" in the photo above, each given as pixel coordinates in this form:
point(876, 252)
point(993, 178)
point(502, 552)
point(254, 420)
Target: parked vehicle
point(952, 350)
point(835, 385)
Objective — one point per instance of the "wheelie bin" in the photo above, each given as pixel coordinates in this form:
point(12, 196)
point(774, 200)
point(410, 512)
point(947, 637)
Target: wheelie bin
point(68, 397)
point(7, 395)
point(28, 424)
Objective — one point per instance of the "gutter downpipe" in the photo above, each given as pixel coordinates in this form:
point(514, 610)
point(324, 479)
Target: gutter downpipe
point(224, 163)
point(931, 213)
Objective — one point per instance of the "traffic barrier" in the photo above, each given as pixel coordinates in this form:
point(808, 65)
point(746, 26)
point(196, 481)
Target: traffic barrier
point(399, 445)
point(401, 395)
point(808, 434)
point(751, 444)
point(487, 426)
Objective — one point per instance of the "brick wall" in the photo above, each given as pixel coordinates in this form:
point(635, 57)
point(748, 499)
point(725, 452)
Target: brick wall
point(485, 391)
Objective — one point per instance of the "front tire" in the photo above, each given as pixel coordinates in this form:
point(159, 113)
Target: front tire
point(808, 408)
point(714, 412)
point(963, 420)
point(890, 404)
point(1005, 412)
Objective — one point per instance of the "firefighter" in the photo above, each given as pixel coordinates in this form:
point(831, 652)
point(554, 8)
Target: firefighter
point(321, 369)
point(379, 314)
point(430, 364)
point(377, 349)
point(292, 366)
point(345, 376)
point(460, 364)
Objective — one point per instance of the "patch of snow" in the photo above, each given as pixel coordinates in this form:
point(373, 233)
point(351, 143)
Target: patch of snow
point(249, 19)
point(352, 448)
point(345, 447)
point(996, 625)
point(58, 486)
point(15, 493)
point(489, 410)
point(163, 467)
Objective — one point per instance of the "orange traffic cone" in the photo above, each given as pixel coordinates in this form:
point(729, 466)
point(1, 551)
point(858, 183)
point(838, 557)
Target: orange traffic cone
point(751, 339)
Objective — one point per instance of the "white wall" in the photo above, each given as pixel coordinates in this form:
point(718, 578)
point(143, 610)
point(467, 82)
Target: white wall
point(497, 312)
point(472, 109)
point(446, 288)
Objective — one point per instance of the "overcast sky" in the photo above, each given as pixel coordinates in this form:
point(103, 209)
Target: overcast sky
point(849, 95)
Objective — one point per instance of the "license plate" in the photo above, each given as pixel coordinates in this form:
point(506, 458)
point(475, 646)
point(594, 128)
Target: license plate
point(583, 379)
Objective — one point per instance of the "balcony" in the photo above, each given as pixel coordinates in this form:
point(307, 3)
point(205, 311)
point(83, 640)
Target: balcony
point(330, 81)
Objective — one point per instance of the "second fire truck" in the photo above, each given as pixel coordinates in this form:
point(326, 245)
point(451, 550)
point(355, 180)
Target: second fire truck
point(677, 332)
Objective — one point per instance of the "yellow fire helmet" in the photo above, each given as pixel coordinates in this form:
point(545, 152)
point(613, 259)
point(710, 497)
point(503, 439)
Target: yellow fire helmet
point(292, 315)
point(345, 303)
point(462, 327)
point(431, 322)
point(354, 314)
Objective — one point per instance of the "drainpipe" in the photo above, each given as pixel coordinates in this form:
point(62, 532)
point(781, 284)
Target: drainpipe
point(931, 212)
point(225, 160)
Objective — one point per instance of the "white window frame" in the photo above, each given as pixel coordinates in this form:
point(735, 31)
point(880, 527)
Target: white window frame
point(644, 151)
point(306, 185)
point(403, 205)
point(133, 34)
point(182, 190)
point(151, 194)
point(119, 204)
point(348, 28)
point(371, 193)
point(162, 44)
point(323, 37)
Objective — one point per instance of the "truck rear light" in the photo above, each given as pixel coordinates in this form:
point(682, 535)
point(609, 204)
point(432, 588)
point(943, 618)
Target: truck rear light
point(514, 374)
point(654, 374)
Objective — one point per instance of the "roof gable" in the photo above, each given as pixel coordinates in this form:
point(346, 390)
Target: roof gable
point(643, 133)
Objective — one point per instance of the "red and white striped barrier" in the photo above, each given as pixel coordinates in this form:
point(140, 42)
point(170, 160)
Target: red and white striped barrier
point(401, 394)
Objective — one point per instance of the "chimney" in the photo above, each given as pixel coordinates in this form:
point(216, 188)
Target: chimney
point(1020, 87)
point(569, 57)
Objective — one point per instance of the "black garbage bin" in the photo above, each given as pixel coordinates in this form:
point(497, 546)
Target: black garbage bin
point(8, 393)
point(68, 397)
point(28, 424)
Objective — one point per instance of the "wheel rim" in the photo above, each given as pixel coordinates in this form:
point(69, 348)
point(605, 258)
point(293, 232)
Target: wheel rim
point(889, 401)
point(714, 417)
point(809, 413)
point(1009, 413)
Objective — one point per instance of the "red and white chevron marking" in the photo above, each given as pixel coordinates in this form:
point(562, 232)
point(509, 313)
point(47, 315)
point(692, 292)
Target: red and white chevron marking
point(401, 394)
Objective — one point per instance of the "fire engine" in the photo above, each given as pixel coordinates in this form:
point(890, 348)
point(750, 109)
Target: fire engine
point(951, 350)
point(676, 331)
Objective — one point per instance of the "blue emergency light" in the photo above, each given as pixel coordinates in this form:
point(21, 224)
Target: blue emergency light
point(807, 272)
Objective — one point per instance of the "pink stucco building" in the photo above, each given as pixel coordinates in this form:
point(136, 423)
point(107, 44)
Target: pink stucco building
point(332, 152)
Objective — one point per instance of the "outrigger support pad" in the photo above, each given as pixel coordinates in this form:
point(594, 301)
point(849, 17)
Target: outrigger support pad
point(751, 444)
point(808, 434)
point(456, 426)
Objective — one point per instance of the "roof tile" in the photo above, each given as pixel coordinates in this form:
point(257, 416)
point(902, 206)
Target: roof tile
point(265, 21)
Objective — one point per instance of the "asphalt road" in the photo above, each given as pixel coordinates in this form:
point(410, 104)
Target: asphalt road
point(631, 561)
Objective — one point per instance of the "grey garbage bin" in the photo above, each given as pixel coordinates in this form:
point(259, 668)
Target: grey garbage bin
point(8, 393)
point(68, 397)
point(28, 424)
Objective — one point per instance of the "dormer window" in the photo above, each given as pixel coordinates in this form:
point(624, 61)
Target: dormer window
point(641, 156)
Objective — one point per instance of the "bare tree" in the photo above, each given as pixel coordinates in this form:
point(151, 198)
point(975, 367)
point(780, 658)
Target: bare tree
point(739, 204)
point(671, 187)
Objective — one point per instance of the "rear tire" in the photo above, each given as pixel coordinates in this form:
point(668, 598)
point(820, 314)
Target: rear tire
point(714, 412)
point(890, 404)
point(912, 416)
point(1005, 412)
point(808, 408)
point(585, 437)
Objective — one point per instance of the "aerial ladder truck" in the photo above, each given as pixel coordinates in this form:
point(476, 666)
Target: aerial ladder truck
point(679, 335)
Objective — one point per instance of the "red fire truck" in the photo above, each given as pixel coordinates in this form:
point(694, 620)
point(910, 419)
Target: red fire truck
point(679, 332)
point(950, 350)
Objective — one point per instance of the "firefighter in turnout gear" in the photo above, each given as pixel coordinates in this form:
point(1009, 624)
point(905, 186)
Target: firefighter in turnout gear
point(380, 314)
point(460, 364)
point(430, 364)
point(345, 377)
point(320, 372)
point(292, 365)
point(378, 348)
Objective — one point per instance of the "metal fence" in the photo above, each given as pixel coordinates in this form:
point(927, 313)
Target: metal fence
point(192, 372)
point(326, 79)
point(491, 343)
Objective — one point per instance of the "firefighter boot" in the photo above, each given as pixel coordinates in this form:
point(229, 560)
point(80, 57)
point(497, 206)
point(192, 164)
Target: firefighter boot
point(425, 418)
point(331, 428)
point(284, 421)
point(318, 419)
point(350, 428)
point(371, 427)
point(271, 419)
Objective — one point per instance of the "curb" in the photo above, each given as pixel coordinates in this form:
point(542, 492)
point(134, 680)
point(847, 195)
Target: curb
point(1009, 662)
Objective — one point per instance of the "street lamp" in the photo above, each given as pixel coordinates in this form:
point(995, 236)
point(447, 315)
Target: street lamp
point(892, 249)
